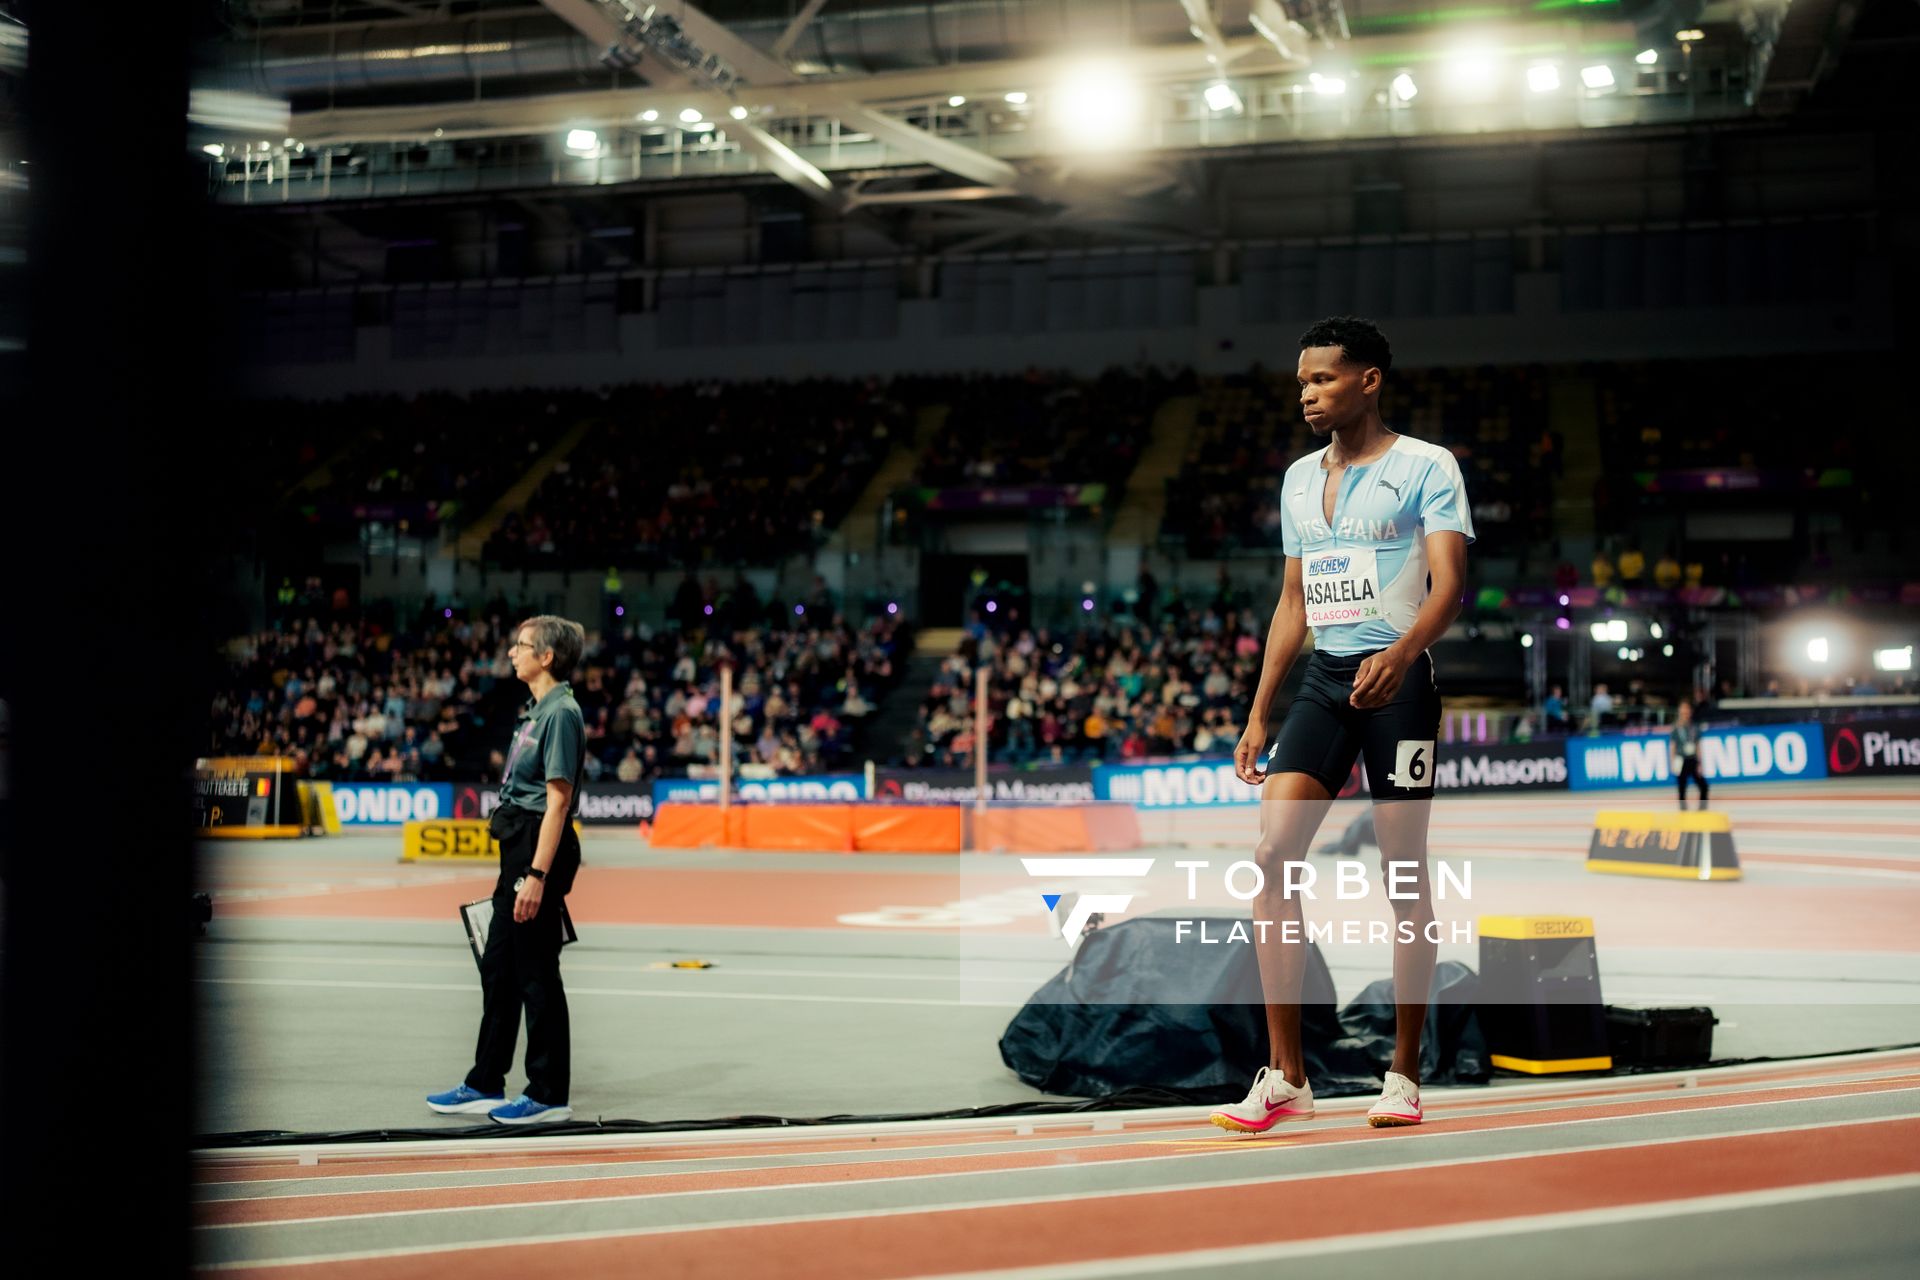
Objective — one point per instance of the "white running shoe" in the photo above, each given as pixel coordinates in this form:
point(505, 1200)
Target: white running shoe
point(1399, 1103)
point(1270, 1101)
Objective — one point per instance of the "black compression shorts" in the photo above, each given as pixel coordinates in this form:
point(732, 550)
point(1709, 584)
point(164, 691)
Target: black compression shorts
point(1323, 733)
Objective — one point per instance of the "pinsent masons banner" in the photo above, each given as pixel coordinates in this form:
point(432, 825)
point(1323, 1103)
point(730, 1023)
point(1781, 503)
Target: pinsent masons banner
point(1863, 748)
point(1756, 753)
point(1500, 766)
point(1067, 784)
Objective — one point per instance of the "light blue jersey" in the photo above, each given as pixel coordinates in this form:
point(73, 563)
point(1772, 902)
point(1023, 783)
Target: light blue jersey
point(1365, 575)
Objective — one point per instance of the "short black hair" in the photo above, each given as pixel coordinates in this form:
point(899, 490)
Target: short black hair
point(1360, 339)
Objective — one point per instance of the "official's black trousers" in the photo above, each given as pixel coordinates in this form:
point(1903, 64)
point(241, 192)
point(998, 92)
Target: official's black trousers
point(1690, 768)
point(520, 970)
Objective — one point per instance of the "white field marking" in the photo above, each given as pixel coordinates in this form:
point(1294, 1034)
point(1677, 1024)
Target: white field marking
point(1425, 1237)
point(345, 984)
point(1520, 1108)
point(1080, 868)
point(574, 966)
point(1213, 1185)
point(1878, 1064)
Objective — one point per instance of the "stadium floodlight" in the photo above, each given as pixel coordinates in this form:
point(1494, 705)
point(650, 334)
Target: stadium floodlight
point(992, 606)
point(689, 115)
point(1472, 69)
point(1098, 105)
point(893, 606)
point(1544, 78)
point(1690, 35)
point(1326, 85)
point(1817, 649)
point(1598, 631)
point(1563, 622)
point(1625, 654)
point(1647, 57)
point(1655, 629)
point(737, 111)
point(1404, 88)
point(1017, 99)
point(1221, 97)
point(649, 116)
point(1526, 640)
point(1666, 650)
point(582, 142)
point(1612, 631)
point(215, 150)
point(1900, 659)
point(957, 100)
point(1598, 76)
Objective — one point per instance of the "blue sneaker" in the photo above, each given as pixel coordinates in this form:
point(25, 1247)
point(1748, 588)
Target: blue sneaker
point(524, 1110)
point(464, 1101)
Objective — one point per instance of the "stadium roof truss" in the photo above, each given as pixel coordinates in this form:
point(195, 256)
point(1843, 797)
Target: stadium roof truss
point(1002, 113)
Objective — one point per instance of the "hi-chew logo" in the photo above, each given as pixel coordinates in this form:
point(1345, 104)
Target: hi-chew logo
point(1329, 564)
point(1087, 903)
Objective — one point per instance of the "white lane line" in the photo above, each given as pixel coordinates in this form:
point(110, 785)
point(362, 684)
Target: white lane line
point(1425, 1237)
point(1462, 1108)
point(1205, 1185)
point(720, 970)
point(346, 984)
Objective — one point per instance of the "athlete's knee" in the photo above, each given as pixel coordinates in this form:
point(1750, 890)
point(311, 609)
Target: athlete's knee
point(1273, 853)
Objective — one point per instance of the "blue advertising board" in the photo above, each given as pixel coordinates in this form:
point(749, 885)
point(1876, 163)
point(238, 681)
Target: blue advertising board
point(1751, 753)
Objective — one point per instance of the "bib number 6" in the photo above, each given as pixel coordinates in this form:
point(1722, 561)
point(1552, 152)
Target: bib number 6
point(1413, 764)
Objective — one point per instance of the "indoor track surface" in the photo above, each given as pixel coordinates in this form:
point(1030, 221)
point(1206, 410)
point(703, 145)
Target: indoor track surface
point(336, 989)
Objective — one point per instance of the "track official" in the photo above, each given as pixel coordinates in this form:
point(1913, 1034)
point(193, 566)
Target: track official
point(539, 855)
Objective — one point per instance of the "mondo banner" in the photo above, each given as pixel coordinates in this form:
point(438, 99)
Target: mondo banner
point(382, 804)
point(1773, 752)
point(1861, 748)
point(797, 790)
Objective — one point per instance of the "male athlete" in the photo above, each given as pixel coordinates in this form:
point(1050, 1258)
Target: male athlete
point(1375, 527)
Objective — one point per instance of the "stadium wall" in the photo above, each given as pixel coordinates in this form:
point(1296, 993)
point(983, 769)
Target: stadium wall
point(1519, 318)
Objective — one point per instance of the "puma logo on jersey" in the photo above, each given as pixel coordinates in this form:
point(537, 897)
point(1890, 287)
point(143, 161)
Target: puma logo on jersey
point(1388, 484)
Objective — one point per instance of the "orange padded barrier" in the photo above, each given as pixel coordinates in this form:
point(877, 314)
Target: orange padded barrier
point(1111, 826)
point(846, 828)
point(694, 826)
point(907, 829)
point(1080, 829)
point(813, 828)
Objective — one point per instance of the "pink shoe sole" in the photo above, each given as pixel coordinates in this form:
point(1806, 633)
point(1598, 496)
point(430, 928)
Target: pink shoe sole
point(1233, 1124)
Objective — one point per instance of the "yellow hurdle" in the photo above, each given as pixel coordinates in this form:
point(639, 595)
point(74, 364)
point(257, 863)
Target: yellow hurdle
point(1673, 846)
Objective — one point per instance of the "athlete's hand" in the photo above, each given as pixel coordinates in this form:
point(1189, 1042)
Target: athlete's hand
point(1379, 678)
point(1246, 756)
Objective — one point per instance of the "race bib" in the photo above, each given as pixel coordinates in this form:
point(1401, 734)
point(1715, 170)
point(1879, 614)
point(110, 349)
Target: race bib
point(1341, 587)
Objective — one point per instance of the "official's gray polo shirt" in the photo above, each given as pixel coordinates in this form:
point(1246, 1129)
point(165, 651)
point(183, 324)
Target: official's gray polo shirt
point(549, 742)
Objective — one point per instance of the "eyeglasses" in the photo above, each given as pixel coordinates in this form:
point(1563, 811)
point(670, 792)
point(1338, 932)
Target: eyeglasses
point(520, 644)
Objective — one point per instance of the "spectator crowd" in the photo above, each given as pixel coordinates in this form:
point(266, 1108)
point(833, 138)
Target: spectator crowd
point(435, 698)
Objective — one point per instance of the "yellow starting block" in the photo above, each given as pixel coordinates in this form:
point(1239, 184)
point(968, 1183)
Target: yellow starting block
point(1677, 846)
point(1539, 1004)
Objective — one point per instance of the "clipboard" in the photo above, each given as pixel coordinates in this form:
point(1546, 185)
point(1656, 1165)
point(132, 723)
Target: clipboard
point(477, 917)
